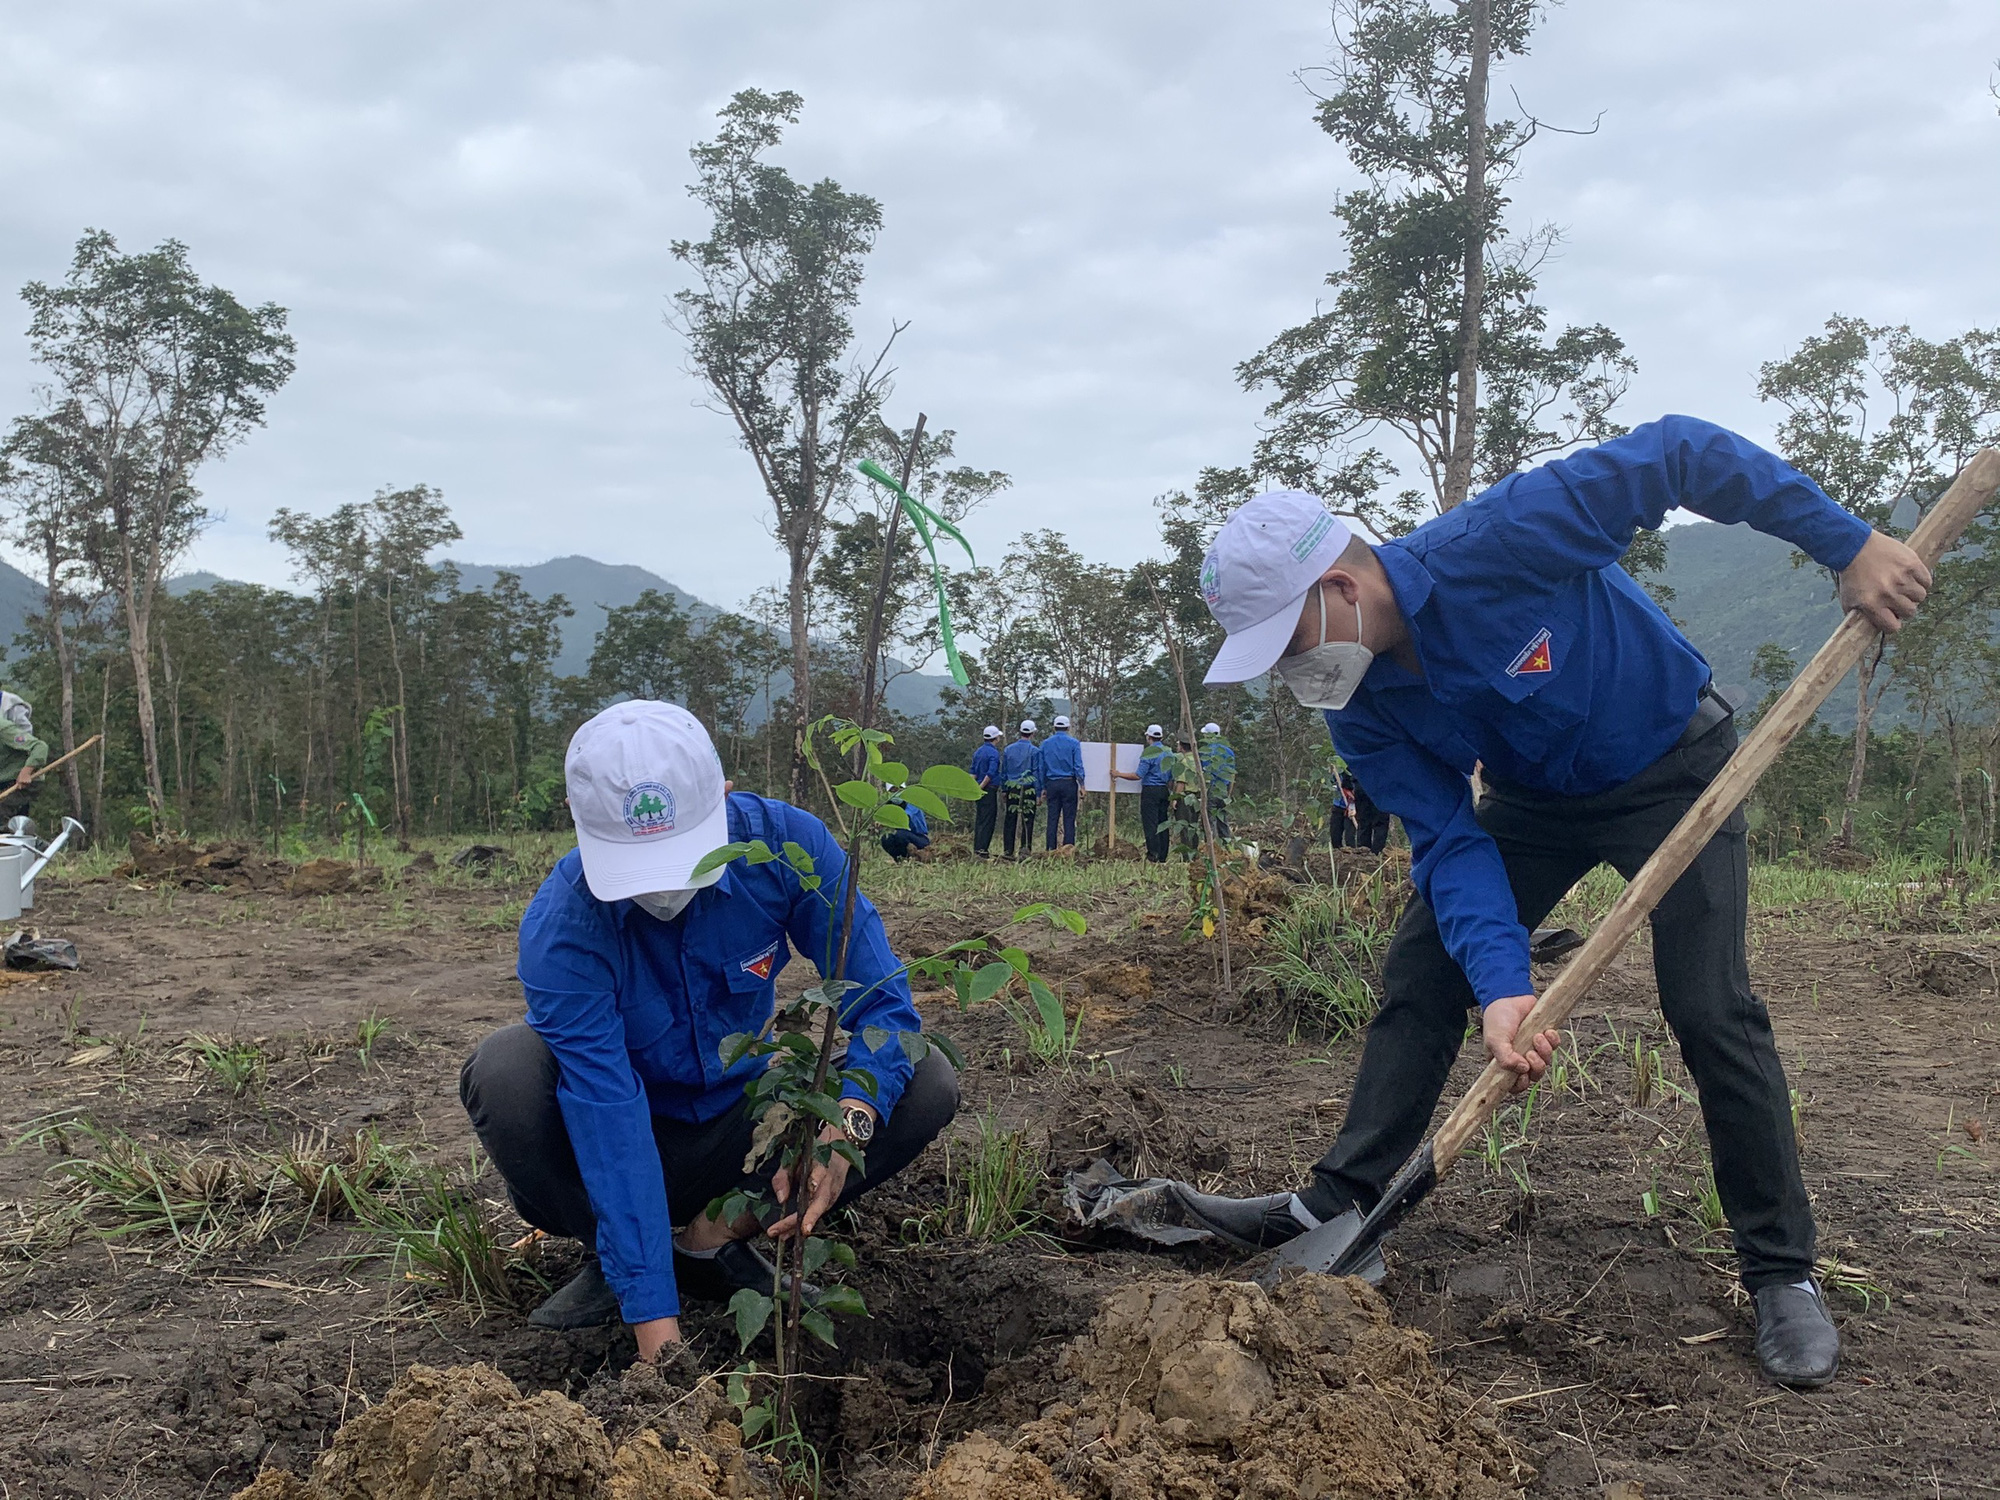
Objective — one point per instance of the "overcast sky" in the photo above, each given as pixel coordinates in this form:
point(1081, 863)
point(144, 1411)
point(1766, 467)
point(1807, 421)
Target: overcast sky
point(1092, 212)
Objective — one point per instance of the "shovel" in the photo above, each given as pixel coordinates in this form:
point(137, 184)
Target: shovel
point(1351, 1244)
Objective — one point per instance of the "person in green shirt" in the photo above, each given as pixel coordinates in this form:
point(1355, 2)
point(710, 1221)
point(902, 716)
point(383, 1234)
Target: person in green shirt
point(21, 754)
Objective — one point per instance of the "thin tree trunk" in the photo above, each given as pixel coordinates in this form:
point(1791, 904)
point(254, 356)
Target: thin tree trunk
point(65, 652)
point(103, 724)
point(1465, 403)
point(138, 643)
point(1864, 710)
point(796, 595)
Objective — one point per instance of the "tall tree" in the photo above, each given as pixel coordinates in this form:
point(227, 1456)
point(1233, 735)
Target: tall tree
point(1883, 419)
point(155, 373)
point(769, 328)
point(1436, 295)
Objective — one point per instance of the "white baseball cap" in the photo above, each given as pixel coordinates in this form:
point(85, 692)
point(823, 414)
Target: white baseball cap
point(1062, 721)
point(1027, 726)
point(645, 789)
point(1258, 572)
point(1211, 728)
point(1153, 731)
point(990, 732)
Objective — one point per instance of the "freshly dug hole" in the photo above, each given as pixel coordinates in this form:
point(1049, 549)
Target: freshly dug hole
point(1201, 1388)
point(467, 1433)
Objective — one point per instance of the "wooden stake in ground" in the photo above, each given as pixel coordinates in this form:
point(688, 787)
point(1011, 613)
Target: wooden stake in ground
point(1341, 1246)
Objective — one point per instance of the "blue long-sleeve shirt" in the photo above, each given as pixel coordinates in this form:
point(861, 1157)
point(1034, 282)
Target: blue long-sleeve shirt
point(1062, 756)
point(986, 764)
point(920, 828)
point(1155, 765)
point(1021, 765)
point(636, 1009)
point(1218, 761)
point(1543, 659)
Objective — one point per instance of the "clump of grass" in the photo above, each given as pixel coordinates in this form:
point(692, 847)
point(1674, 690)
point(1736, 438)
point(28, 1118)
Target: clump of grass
point(367, 1032)
point(436, 1233)
point(991, 1183)
point(1324, 954)
point(1052, 1035)
point(237, 1067)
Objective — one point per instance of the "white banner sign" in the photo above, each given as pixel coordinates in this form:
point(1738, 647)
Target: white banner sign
point(1097, 765)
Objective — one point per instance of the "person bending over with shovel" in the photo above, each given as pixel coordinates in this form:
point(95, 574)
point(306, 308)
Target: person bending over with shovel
point(609, 1112)
point(1504, 633)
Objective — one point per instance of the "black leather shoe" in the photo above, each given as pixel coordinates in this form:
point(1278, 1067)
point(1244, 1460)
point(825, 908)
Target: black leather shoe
point(584, 1301)
point(718, 1277)
point(1247, 1223)
point(1797, 1343)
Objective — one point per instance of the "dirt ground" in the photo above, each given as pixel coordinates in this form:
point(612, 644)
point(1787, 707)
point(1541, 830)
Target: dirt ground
point(1570, 1289)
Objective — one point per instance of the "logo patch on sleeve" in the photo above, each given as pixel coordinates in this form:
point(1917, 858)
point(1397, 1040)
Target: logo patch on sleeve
point(761, 964)
point(1534, 658)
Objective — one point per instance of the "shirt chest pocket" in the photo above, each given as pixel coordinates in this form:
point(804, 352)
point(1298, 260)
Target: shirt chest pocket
point(1537, 672)
point(756, 968)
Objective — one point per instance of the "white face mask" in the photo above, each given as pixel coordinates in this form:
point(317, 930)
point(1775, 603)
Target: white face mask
point(1326, 675)
point(666, 905)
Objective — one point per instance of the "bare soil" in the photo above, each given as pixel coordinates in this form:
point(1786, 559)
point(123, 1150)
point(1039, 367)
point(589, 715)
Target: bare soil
point(1551, 1333)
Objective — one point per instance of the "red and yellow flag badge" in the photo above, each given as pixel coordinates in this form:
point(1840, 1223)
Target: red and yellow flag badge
point(1534, 657)
point(761, 964)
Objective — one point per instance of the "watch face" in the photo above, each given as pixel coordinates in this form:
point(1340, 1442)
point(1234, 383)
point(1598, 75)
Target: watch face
point(859, 1123)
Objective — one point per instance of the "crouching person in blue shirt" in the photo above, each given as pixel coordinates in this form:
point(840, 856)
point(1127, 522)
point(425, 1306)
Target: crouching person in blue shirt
point(609, 1113)
point(901, 843)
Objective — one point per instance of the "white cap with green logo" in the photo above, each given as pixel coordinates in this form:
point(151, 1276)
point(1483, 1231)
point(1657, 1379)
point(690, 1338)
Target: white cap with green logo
point(646, 792)
point(1258, 572)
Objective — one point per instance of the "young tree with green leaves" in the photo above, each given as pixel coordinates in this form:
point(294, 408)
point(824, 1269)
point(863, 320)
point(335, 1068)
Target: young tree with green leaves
point(1436, 296)
point(152, 374)
point(1883, 420)
point(769, 328)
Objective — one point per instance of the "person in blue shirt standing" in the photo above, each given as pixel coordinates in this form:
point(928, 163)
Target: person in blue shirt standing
point(1062, 779)
point(1504, 634)
point(1021, 783)
point(609, 1112)
point(900, 843)
point(986, 771)
point(1218, 766)
point(1155, 776)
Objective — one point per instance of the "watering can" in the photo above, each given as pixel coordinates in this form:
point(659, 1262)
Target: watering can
point(22, 858)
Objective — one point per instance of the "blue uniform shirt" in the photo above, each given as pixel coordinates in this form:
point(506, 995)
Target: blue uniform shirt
point(1155, 765)
point(635, 1010)
point(1543, 659)
point(1062, 756)
point(920, 827)
point(986, 764)
point(1021, 764)
point(1218, 760)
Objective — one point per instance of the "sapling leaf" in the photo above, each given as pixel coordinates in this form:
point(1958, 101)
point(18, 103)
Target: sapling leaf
point(817, 1103)
point(953, 781)
point(843, 1253)
point(1049, 1007)
point(930, 802)
point(961, 986)
point(948, 1047)
point(818, 1324)
point(736, 1046)
point(851, 1153)
point(990, 981)
point(1018, 958)
point(755, 1420)
point(863, 1081)
point(874, 1038)
point(748, 849)
point(818, 1252)
point(892, 771)
point(776, 1121)
point(913, 1044)
point(862, 794)
point(753, 1310)
point(876, 736)
point(1073, 920)
point(798, 1042)
point(842, 1299)
point(875, 758)
point(890, 815)
point(1032, 910)
point(798, 857)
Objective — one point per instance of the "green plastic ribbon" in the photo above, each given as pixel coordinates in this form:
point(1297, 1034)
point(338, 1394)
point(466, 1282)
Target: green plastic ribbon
point(927, 522)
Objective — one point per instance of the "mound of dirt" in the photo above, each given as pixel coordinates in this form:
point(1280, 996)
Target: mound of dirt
point(1204, 1388)
point(231, 864)
point(467, 1433)
point(331, 877)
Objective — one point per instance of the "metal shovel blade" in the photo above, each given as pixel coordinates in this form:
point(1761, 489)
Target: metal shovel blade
point(1351, 1245)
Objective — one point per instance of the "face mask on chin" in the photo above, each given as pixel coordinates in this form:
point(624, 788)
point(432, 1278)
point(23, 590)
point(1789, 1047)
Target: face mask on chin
point(665, 905)
point(1326, 675)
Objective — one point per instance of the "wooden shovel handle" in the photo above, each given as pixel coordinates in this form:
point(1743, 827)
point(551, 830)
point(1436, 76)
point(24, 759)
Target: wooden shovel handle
point(65, 758)
point(1968, 495)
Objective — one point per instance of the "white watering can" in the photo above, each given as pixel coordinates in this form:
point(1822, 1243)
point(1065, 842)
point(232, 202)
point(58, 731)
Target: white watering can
point(22, 858)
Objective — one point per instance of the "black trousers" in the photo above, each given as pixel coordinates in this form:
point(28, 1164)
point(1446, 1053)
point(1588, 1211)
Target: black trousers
point(1153, 819)
point(1346, 833)
point(508, 1087)
point(1548, 844)
point(898, 843)
point(985, 815)
point(1060, 794)
point(1021, 816)
point(1373, 833)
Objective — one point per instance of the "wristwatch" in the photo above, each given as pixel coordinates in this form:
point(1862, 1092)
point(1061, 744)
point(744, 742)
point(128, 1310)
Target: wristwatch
point(858, 1123)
